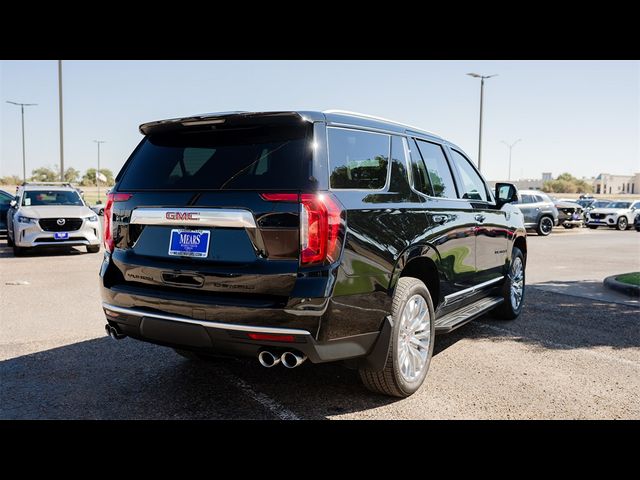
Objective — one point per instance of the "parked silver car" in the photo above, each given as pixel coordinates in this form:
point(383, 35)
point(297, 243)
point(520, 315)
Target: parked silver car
point(540, 213)
point(49, 214)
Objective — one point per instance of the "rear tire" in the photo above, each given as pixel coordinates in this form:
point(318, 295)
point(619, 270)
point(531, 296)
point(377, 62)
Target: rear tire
point(512, 306)
point(412, 339)
point(93, 248)
point(545, 226)
point(622, 224)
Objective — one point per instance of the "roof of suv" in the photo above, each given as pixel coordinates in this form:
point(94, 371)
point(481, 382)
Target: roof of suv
point(336, 117)
point(532, 192)
point(47, 186)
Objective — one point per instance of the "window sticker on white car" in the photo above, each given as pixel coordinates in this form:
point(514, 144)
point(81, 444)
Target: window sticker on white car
point(27, 202)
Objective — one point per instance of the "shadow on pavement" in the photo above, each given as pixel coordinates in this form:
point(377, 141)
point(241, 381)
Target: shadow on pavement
point(556, 321)
point(104, 379)
point(592, 289)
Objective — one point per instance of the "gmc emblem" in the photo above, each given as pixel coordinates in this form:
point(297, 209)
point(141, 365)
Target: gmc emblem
point(182, 216)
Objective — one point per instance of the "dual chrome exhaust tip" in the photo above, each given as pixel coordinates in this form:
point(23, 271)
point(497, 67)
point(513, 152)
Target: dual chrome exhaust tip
point(289, 359)
point(113, 332)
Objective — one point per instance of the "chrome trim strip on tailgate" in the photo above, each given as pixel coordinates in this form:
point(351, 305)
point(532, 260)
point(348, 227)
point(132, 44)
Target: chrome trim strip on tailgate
point(199, 217)
point(204, 323)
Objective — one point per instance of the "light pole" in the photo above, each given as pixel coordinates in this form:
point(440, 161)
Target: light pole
point(60, 111)
point(510, 148)
point(482, 79)
point(98, 172)
point(24, 162)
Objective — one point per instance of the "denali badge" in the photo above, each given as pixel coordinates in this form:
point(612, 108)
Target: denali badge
point(182, 216)
point(61, 221)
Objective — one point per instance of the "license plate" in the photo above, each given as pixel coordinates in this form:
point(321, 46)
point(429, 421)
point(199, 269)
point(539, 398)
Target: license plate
point(61, 235)
point(189, 243)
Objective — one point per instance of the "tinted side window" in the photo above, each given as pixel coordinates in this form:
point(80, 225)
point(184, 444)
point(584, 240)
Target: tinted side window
point(524, 198)
point(358, 159)
point(438, 169)
point(419, 173)
point(399, 181)
point(472, 185)
point(540, 199)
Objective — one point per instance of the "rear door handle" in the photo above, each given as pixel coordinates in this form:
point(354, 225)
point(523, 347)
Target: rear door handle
point(480, 218)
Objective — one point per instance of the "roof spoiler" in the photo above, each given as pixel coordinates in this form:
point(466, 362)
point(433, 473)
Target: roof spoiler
point(222, 118)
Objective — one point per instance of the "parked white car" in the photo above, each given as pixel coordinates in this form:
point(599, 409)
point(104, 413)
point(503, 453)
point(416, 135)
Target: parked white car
point(51, 215)
point(618, 214)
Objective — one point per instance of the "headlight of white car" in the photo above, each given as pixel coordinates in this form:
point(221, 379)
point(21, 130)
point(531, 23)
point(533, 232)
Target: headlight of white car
point(92, 218)
point(22, 219)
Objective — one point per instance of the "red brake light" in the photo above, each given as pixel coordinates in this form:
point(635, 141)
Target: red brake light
point(320, 220)
point(108, 211)
point(280, 197)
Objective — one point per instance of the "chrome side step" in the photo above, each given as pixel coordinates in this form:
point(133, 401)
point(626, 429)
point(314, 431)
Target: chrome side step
point(453, 320)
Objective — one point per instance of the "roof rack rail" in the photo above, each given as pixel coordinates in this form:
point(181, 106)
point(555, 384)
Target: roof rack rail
point(373, 117)
point(63, 184)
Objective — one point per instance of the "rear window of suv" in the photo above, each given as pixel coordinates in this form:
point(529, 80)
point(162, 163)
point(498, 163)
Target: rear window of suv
point(250, 158)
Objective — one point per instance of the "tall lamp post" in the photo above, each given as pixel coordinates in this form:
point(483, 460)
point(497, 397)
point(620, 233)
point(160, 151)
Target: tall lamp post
point(482, 79)
point(511, 145)
point(60, 112)
point(98, 172)
point(24, 162)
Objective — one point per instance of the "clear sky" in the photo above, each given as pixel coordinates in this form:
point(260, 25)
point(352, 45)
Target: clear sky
point(576, 116)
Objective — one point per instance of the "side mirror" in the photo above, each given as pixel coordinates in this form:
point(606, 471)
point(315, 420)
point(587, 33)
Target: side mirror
point(506, 193)
point(13, 203)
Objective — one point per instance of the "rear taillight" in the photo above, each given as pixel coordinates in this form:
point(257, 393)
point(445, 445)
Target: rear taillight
point(108, 212)
point(320, 225)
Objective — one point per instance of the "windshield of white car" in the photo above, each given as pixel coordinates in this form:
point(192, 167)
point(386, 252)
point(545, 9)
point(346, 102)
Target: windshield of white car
point(601, 204)
point(619, 205)
point(37, 198)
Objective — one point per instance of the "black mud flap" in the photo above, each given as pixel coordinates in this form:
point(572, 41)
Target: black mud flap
point(377, 359)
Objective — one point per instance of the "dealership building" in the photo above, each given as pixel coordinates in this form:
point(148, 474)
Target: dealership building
point(613, 184)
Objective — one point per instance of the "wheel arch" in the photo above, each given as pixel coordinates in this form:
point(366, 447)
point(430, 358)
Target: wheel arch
point(521, 242)
point(421, 262)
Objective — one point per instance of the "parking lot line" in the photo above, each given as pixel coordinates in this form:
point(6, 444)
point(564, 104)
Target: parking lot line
point(267, 402)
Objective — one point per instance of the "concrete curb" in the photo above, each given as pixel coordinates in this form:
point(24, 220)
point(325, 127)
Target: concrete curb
point(627, 289)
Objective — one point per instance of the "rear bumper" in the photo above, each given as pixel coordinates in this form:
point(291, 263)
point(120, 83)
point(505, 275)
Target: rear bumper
point(233, 339)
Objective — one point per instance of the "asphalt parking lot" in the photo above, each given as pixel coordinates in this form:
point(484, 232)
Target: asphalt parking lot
point(573, 354)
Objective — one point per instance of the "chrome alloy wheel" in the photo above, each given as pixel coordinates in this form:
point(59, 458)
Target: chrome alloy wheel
point(414, 338)
point(516, 276)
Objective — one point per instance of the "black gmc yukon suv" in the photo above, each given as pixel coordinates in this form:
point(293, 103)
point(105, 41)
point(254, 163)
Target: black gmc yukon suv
point(290, 236)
